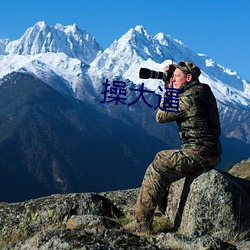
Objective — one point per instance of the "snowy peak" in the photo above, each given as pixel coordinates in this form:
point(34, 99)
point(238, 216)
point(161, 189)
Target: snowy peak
point(35, 40)
point(141, 43)
point(42, 38)
point(136, 47)
point(133, 48)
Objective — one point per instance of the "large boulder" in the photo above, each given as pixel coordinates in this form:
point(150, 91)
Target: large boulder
point(210, 202)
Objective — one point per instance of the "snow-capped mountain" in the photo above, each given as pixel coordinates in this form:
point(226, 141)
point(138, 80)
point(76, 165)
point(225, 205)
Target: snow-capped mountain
point(137, 49)
point(71, 61)
point(41, 38)
point(75, 56)
point(55, 138)
point(50, 54)
point(3, 43)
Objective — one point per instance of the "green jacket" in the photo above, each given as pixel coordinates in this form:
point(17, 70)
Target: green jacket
point(197, 119)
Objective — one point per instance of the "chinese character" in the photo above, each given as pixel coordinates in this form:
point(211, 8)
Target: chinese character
point(159, 98)
point(106, 84)
point(171, 100)
point(116, 92)
point(142, 90)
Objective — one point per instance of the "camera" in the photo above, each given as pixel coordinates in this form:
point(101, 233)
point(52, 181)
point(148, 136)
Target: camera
point(145, 73)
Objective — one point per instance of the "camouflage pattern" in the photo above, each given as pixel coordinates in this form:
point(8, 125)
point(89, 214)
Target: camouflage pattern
point(198, 119)
point(168, 166)
point(199, 128)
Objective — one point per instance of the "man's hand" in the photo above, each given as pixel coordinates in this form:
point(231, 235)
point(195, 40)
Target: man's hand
point(167, 83)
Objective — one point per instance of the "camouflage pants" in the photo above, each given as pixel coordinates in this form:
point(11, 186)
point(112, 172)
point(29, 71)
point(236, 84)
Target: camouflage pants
point(167, 167)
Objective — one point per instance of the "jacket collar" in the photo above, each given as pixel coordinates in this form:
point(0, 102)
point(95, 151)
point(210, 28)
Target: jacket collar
point(188, 85)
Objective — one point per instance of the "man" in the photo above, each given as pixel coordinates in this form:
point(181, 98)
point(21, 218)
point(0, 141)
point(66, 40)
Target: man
point(199, 130)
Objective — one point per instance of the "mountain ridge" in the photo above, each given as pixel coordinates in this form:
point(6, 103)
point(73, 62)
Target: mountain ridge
point(135, 49)
point(148, 52)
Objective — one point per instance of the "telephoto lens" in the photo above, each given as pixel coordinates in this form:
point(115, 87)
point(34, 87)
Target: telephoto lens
point(147, 73)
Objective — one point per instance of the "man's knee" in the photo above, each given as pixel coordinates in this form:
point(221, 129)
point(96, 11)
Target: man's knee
point(164, 154)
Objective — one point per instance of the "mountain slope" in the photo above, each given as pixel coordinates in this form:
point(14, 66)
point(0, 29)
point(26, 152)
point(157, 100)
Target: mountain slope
point(65, 74)
point(52, 144)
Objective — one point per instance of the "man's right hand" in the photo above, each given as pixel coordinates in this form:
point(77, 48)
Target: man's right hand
point(167, 83)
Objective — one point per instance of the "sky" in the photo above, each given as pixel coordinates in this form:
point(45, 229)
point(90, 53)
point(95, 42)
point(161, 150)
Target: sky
point(217, 28)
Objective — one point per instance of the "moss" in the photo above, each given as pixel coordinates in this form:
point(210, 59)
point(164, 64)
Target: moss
point(123, 220)
point(16, 235)
point(34, 216)
point(162, 224)
point(51, 214)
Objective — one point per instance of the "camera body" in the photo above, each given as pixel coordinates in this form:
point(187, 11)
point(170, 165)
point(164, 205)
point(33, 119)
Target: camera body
point(146, 73)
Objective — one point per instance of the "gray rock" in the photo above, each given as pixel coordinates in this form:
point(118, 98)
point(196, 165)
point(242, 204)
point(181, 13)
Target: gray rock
point(95, 239)
point(124, 199)
point(178, 241)
point(243, 245)
point(90, 221)
point(20, 220)
point(212, 202)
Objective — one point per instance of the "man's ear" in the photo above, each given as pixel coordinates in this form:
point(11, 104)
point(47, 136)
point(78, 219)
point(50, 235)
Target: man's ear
point(189, 77)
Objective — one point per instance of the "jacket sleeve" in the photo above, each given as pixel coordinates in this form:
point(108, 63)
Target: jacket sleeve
point(186, 109)
point(165, 116)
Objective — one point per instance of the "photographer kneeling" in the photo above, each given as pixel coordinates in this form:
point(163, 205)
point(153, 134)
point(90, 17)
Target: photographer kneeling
point(199, 130)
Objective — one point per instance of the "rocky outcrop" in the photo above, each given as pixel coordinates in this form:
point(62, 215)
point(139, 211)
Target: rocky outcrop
point(209, 210)
point(210, 202)
point(241, 169)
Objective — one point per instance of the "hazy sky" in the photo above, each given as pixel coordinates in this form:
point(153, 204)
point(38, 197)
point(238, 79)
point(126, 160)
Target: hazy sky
point(217, 28)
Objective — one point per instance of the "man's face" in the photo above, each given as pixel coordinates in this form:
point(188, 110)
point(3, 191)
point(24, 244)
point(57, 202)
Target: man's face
point(179, 78)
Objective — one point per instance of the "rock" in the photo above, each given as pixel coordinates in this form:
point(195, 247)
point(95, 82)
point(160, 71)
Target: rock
point(209, 210)
point(124, 199)
point(20, 220)
point(212, 202)
point(90, 221)
point(243, 245)
point(63, 239)
point(178, 241)
point(241, 169)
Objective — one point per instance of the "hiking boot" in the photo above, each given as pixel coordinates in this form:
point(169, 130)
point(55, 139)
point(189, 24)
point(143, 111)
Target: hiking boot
point(140, 227)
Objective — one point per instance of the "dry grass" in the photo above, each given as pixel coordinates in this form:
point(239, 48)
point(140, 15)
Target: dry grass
point(239, 237)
